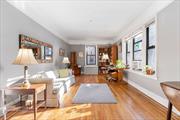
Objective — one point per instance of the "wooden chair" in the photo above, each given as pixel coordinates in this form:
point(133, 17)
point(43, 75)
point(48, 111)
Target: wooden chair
point(172, 92)
point(112, 74)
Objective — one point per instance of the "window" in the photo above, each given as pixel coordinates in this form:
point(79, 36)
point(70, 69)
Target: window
point(150, 45)
point(91, 55)
point(137, 47)
point(128, 45)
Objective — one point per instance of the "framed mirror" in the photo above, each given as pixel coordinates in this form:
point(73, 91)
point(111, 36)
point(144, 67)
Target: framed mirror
point(43, 52)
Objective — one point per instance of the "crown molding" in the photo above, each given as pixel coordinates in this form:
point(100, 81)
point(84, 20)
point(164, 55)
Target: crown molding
point(94, 42)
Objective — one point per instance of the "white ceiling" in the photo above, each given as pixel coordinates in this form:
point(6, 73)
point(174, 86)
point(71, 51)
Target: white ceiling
point(82, 21)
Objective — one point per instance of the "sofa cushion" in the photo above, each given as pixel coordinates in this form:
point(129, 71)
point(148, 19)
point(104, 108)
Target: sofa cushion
point(63, 73)
point(51, 74)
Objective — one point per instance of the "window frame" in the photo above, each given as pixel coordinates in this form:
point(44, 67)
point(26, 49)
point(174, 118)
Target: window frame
point(87, 55)
point(147, 44)
point(127, 52)
point(136, 43)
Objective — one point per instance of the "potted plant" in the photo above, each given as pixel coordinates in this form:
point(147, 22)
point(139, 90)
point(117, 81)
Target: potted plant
point(149, 70)
point(120, 64)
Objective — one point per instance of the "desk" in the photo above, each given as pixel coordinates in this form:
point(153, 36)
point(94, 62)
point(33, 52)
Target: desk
point(34, 89)
point(115, 74)
point(172, 92)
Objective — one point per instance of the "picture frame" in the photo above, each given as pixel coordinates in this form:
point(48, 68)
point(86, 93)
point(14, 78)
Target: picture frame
point(43, 52)
point(61, 52)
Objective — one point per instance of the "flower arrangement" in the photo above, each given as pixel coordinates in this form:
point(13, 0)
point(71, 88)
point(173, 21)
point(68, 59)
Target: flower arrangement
point(148, 70)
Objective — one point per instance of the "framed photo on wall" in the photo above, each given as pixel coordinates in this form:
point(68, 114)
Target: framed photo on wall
point(61, 52)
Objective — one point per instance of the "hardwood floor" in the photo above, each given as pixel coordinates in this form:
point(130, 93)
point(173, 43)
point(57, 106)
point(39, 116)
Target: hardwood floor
point(132, 105)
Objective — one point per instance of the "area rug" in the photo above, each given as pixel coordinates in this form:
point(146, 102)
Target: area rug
point(94, 93)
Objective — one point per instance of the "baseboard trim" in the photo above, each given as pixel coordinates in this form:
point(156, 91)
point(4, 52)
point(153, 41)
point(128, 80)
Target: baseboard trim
point(157, 98)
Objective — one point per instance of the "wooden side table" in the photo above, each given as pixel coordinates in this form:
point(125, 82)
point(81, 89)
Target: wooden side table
point(34, 89)
point(172, 92)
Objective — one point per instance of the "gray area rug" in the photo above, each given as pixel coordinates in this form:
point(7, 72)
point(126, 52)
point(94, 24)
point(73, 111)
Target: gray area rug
point(94, 93)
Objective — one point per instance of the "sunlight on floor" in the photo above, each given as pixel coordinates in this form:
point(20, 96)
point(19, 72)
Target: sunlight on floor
point(72, 112)
point(76, 111)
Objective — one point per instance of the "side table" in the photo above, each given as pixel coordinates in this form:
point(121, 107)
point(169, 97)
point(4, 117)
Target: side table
point(34, 89)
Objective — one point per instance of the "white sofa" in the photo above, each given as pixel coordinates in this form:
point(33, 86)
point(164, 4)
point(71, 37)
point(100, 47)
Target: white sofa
point(56, 86)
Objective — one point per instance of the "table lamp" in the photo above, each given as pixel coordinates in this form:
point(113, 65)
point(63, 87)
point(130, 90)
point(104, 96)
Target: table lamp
point(105, 57)
point(66, 61)
point(25, 57)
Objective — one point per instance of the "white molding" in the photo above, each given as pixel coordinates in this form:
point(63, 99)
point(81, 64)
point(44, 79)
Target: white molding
point(92, 42)
point(157, 98)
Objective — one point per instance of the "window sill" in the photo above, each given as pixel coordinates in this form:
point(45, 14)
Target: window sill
point(154, 77)
point(90, 66)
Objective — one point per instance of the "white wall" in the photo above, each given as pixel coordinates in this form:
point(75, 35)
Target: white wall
point(168, 57)
point(0, 43)
point(14, 23)
point(148, 14)
point(77, 49)
point(168, 45)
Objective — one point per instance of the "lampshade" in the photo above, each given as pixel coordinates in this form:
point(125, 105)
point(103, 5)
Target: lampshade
point(105, 57)
point(65, 60)
point(25, 57)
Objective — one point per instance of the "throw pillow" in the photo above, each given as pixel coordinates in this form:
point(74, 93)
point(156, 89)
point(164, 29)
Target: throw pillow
point(63, 73)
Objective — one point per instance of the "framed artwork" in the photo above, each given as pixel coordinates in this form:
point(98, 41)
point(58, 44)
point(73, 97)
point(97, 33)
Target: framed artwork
point(61, 52)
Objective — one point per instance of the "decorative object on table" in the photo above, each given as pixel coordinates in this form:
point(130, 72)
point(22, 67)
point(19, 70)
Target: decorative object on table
point(43, 52)
point(28, 103)
point(25, 57)
point(66, 61)
point(120, 64)
point(172, 91)
point(81, 54)
point(61, 52)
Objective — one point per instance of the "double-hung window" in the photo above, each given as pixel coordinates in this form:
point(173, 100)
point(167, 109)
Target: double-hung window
point(150, 46)
point(91, 55)
point(137, 47)
point(128, 52)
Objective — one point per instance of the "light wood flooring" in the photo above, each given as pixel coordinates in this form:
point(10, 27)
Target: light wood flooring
point(132, 105)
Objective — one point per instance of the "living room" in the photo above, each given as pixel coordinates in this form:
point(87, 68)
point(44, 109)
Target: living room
point(90, 59)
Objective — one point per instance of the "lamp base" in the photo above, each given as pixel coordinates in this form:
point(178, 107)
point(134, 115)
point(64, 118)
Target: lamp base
point(26, 84)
